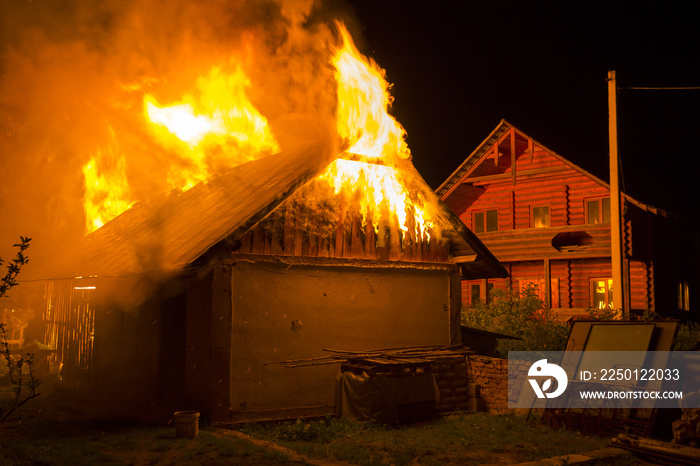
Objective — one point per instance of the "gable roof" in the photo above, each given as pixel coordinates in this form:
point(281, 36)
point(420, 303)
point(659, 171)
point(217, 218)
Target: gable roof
point(500, 134)
point(173, 230)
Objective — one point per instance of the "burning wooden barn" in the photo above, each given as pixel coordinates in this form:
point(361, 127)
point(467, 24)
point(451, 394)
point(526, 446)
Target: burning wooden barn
point(184, 299)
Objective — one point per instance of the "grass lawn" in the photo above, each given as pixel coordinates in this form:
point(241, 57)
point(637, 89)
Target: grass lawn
point(123, 443)
point(61, 428)
point(58, 430)
point(478, 438)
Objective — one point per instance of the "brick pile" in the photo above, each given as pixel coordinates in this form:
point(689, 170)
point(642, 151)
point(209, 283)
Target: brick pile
point(491, 375)
point(451, 378)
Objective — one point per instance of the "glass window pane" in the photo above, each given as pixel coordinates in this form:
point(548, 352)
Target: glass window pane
point(492, 220)
point(605, 202)
point(478, 222)
point(592, 213)
point(610, 293)
point(476, 293)
point(599, 294)
point(540, 217)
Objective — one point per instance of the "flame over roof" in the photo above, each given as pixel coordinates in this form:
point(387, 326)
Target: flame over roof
point(171, 231)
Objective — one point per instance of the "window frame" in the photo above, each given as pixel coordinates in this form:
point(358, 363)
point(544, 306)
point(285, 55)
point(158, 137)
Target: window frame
point(532, 215)
point(485, 223)
point(602, 218)
point(484, 286)
point(609, 287)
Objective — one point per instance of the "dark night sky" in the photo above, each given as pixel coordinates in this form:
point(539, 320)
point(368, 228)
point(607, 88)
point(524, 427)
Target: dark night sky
point(459, 67)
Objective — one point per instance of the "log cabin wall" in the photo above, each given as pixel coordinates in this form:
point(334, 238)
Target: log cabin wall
point(567, 251)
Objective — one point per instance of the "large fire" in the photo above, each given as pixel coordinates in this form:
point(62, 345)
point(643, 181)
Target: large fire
point(107, 191)
point(218, 127)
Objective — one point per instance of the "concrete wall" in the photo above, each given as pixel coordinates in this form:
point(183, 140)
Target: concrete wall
point(283, 312)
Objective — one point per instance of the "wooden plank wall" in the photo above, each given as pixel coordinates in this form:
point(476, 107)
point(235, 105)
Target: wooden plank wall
point(295, 230)
point(69, 317)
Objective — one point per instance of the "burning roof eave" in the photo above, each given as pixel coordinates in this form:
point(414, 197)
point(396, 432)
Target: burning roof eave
point(463, 242)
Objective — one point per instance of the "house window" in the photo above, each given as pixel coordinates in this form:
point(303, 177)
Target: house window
point(486, 220)
point(479, 291)
point(602, 293)
point(683, 296)
point(598, 210)
point(540, 217)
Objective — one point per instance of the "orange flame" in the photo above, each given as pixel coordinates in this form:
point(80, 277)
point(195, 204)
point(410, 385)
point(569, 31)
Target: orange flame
point(380, 191)
point(364, 122)
point(363, 100)
point(107, 191)
point(218, 130)
point(221, 129)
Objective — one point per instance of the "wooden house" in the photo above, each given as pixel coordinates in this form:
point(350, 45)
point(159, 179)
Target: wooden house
point(548, 221)
point(186, 301)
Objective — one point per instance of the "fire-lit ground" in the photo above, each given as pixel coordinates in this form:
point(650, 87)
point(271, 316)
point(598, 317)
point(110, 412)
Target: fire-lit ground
point(62, 428)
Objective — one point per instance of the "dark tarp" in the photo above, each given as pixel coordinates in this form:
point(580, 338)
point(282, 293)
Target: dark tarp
point(386, 398)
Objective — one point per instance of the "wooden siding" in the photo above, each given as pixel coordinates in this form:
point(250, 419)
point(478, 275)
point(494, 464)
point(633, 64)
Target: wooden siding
point(570, 284)
point(537, 243)
point(655, 243)
point(69, 319)
point(564, 191)
point(294, 230)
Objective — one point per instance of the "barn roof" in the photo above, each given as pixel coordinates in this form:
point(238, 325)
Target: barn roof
point(172, 230)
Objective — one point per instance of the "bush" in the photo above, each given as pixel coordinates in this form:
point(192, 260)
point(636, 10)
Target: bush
point(518, 314)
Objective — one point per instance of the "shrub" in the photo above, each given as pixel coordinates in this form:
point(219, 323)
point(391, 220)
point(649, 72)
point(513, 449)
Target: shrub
point(520, 314)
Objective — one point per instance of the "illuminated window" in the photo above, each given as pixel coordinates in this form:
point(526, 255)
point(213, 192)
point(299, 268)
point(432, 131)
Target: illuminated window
point(683, 296)
point(486, 220)
point(540, 217)
point(598, 210)
point(602, 293)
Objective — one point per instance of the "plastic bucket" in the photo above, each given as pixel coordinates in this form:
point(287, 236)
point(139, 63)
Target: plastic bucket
point(186, 424)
